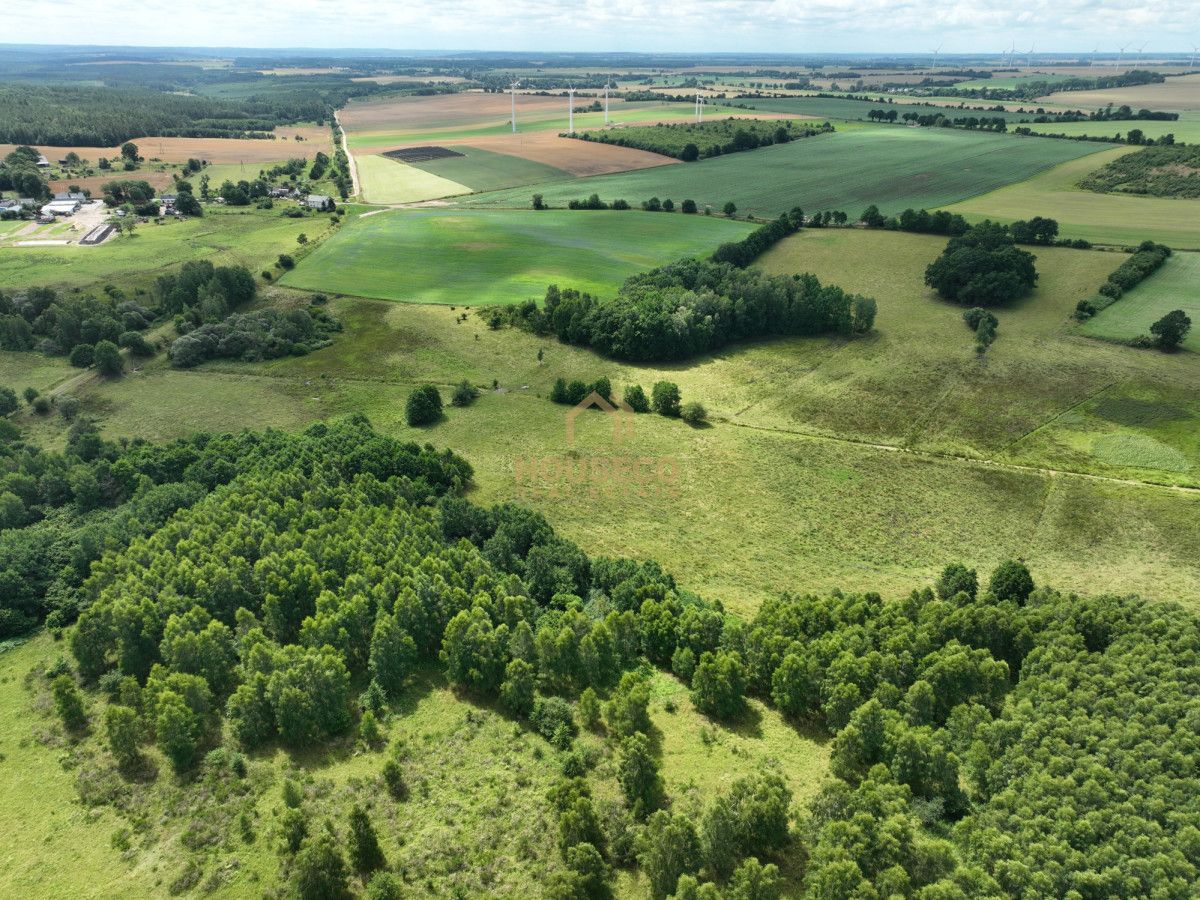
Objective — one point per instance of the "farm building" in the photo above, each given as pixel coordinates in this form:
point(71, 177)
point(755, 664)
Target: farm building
point(319, 201)
point(42, 162)
point(60, 208)
point(70, 195)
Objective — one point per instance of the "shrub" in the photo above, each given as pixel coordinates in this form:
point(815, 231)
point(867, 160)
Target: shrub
point(665, 398)
point(693, 413)
point(82, 355)
point(688, 206)
point(135, 343)
point(464, 394)
point(286, 261)
point(635, 398)
point(41, 405)
point(424, 406)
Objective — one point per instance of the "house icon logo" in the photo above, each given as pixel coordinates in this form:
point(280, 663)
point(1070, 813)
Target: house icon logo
point(620, 415)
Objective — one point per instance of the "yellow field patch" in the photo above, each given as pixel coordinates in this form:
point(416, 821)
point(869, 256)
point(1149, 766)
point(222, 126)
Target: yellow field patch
point(389, 181)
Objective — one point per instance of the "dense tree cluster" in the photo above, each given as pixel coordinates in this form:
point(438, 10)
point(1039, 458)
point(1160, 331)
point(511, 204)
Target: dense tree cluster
point(19, 174)
point(1164, 171)
point(742, 253)
point(1145, 260)
point(254, 336)
point(690, 141)
point(988, 740)
point(982, 267)
point(693, 307)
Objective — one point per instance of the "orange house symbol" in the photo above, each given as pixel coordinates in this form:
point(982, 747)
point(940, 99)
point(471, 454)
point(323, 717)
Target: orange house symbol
point(620, 415)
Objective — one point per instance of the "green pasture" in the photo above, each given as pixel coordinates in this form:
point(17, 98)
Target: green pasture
point(1101, 218)
point(1175, 286)
point(473, 257)
point(891, 167)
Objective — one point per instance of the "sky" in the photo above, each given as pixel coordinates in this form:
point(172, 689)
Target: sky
point(800, 26)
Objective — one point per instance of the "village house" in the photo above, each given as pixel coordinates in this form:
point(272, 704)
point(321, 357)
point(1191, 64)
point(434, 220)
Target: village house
point(319, 201)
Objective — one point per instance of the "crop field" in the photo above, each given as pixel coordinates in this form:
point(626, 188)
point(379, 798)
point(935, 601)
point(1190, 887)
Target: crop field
point(250, 237)
point(390, 122)
point(1180, 92)
point(215, 150)
point(417, 255)
point(484, 170)
point(577, 158)
point(1175, 286)
point(391, 181)
point(1100, 218)
point(856, 110)
point(892, 167)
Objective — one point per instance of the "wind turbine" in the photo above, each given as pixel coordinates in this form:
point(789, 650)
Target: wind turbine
point(1195, 50)
point(1029, 61)
point(571, 110)
point(935, 56)
point(1140, 49)
point(607, 81)
point(1093, 61)
point(1011, 53)
point(513, 88)
point(1121, 56)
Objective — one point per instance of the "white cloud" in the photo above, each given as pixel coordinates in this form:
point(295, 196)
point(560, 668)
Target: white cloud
point(703, 25)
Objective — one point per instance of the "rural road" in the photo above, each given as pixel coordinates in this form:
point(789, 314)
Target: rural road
point(349, 156)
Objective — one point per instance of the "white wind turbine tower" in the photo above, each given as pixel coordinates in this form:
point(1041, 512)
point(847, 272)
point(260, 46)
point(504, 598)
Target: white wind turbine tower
point(1140, 50)
point(1029, 61)
point(1093, 60)
point(1195, 50)
point(1012, 54)
point(513, 89)
point(1121, 56)
point(935, 56)
point(571, 110)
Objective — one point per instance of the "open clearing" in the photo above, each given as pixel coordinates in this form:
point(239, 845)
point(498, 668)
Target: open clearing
point(472, 258)
point(1175, 286)
point(891, 167)
point(1100, 218)
point(1176, 93)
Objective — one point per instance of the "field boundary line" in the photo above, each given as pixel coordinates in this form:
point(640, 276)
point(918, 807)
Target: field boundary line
point(970, 460)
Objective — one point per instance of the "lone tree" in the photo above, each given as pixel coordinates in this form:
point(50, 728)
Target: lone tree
point(365, 853)
point(982, 267)
point(424, 406)
point(1169, 331)
point(730, 209)
point(107, 358)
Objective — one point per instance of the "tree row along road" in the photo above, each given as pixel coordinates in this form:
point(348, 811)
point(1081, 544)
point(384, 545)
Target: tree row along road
point(349, 155)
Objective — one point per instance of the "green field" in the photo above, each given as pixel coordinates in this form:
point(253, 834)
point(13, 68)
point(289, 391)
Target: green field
point(1175, 286)
point(892, 167)
point(839, 108)
point(250, 237)
point(472, 257)
point(483, 170)
point(1100, 218)
point(386, 180)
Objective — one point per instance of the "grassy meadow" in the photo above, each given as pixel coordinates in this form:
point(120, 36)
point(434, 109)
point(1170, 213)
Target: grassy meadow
point(1175, 286)
point(418, 255)
point(865, 464)
point(1100, 218)
point(386, 180)
point(483, 170)
point(893, 168)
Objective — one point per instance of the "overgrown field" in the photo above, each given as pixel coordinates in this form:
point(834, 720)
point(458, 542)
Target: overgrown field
point(1101, 218)
point(893, 168)
point(710, 138)
point(1175, 286)
point(472, 257)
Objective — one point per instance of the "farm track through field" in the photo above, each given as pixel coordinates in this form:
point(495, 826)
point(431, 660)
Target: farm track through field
point(349, 156)
point(796, 432)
